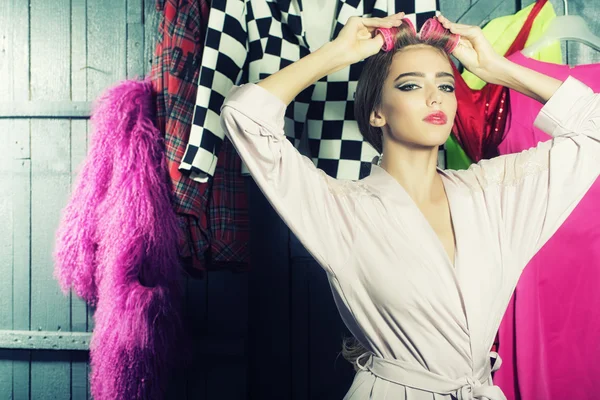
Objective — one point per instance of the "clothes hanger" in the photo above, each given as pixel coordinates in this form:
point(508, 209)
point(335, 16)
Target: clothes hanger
point(565, 27)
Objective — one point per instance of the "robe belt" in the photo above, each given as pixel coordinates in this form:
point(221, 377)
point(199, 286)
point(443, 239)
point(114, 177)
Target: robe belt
point(465, 388)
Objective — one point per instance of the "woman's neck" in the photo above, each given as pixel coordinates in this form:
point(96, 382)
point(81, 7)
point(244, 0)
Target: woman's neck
point(416, 171)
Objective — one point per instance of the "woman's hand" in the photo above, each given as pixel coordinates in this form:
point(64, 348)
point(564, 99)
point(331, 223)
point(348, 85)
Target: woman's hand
point(474, 51)
point(357, 40)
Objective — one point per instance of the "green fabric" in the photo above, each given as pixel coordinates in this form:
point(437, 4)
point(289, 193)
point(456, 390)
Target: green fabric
point(456, 158)
point(501, 32)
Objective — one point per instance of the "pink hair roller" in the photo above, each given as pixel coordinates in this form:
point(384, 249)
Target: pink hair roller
point(389, 34)
point(389, 37)
point(433, 29)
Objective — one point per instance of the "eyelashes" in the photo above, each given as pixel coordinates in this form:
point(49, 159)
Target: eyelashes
point(411, 86)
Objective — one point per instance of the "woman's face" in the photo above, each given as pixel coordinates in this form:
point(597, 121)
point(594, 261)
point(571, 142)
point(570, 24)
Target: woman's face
point(418, 103)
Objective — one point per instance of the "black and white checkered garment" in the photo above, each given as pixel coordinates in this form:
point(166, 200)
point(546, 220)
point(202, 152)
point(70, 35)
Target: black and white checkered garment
point(248, 40)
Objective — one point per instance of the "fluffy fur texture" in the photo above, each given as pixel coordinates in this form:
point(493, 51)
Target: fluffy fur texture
point(116, 246)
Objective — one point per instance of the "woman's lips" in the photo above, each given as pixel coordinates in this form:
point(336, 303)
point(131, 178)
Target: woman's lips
point(436, 118)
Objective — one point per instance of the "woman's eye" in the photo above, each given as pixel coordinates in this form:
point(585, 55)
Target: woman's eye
point(408, 87)
point(447, 88)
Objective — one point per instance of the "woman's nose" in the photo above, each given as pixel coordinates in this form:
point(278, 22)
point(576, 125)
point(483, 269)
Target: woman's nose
point(435, 97)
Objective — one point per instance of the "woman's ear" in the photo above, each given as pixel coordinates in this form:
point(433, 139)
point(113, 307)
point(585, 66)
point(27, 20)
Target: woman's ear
point(376, 119)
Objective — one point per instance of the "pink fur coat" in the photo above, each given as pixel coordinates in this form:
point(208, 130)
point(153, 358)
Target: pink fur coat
point(116, 246)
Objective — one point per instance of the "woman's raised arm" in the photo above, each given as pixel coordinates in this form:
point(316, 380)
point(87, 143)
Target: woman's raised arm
point(355, 42)
point(317, 208)
point(537, 188)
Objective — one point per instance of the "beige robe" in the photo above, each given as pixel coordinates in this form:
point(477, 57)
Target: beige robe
point(431, 323)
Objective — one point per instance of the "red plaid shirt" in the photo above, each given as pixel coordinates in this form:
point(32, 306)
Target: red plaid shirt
point(213, 215)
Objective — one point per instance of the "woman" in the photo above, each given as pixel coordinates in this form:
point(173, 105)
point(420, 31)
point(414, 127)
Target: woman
point(421, 261)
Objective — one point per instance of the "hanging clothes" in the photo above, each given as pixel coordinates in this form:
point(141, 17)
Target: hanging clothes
point(248, 41)
point(116, 246)
point(501, 32)
point(481, 117)
point(429, 321)
point(546, 339)
point(213, 216)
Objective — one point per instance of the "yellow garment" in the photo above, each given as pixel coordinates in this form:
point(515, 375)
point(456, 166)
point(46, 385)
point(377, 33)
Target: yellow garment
point(501, 32)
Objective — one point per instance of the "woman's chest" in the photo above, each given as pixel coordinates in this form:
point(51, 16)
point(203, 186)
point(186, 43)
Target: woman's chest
point(409, 252)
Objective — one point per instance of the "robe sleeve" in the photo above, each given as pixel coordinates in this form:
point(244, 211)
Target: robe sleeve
point(538, 188)
point(316, 207)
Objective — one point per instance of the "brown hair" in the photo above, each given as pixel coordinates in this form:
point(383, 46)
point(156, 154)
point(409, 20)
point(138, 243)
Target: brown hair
point(376, 69)
point(352, 349)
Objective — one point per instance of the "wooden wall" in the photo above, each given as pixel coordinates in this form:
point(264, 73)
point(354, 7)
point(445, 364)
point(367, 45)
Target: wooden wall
point(56, 56)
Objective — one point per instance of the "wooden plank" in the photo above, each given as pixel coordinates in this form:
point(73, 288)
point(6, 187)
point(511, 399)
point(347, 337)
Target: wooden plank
point(14, 87)
point(18, 134)
point(106, 42)
point(78, 131)
point(135, 11)
point(45, 109)
point(50, 375)
point(151, 19)
point(330, 374)
point(50, 180)
point(135, 50)
point(40, 340)
point(50, 50)
point(21, 375)
point(6, 374)
point(79, 52)
point(79, 309)
point(217, 346)
point(195, 314)
point(558, 5)
point(227, 318)
point(50, 308)
point(578, 53)
point(21, 190)
point(6, 255)
point(21, 232)
point(299, 327)
point(135, 38)
point(454, 9)
point(269, 321)
point(79, 375)
point(479, 13)
point(504, 8)
point(14, 50)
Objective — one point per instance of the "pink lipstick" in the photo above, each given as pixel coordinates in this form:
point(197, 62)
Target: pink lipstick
point(436, 118)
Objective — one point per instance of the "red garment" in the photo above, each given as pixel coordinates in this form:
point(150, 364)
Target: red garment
point(213, 215)
point(481, 116)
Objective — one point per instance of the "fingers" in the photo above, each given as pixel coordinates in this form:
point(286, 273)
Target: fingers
point(467, 31)
point(399, 15)
point(380, 23)
point(387, 22)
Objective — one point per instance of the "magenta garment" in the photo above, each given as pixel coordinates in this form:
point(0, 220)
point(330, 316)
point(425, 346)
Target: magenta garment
point(549, 342)
point(116, 247)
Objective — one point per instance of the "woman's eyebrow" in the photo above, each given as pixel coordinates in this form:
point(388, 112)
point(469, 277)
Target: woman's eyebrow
point(422, 75)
